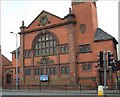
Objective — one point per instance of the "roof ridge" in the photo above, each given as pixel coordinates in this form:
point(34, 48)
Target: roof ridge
point(6, 58)
point(40, 14)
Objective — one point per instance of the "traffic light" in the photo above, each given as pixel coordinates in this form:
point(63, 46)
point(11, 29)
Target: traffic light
point(100, 59)
point(113, 68)
point(117, 65)
point(110, 59)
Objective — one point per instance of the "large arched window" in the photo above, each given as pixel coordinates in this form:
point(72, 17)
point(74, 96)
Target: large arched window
point(46, 44)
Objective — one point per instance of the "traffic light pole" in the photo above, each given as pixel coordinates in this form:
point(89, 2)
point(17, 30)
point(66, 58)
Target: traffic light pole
point(116, 82)
point(105, 67)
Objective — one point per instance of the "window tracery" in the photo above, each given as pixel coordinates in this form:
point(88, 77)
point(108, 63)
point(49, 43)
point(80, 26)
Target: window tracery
point(46, 44)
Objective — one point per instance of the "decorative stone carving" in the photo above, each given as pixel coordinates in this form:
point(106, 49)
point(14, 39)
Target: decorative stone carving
point(44, 20)
point(82, 28)
point(45, 61)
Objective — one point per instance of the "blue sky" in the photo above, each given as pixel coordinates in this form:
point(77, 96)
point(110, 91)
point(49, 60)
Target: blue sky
point(13, 12)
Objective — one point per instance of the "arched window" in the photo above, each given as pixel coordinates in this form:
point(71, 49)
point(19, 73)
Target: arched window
point(46, 44)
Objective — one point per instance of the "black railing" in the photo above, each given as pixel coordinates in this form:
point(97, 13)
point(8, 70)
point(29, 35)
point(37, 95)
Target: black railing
point(65, 87)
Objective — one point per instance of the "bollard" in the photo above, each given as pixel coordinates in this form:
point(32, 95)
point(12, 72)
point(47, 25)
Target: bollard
point(100, 90)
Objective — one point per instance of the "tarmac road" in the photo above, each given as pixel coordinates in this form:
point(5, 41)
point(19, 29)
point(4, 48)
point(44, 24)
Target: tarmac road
point(71, 95)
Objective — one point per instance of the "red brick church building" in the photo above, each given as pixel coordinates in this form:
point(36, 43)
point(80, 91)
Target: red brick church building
point(64, 49)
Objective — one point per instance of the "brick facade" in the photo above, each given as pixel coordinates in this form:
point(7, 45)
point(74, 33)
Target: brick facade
point(76, 41)
point(6, 71)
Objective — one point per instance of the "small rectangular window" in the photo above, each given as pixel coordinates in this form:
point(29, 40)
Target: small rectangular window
point(85, 48)
point(42, 71)
point(51, 70)
point(48, 71)
point(93, 79)
point(88, 66)
point(83, 66)
point(62, 70)
point(37, 71)
point(28, 72)
point(67, 69)
point(54, 70)
point(64, 48)
point(27, 53)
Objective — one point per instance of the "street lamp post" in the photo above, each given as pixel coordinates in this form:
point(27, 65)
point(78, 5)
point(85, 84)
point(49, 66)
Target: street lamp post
point(16, 59)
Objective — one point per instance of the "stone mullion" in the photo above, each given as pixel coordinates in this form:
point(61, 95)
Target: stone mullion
point(58, 61)
point(32, 59)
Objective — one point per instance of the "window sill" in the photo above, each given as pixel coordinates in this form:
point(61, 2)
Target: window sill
point(64, 53)
point(27, 57)
point(45, 55)
point(84, 52)
point(86, 70)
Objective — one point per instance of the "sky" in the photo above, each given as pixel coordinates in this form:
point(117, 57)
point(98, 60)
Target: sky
point(13, 12)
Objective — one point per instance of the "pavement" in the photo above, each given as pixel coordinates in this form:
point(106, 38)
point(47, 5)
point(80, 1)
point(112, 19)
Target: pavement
point(55, 92)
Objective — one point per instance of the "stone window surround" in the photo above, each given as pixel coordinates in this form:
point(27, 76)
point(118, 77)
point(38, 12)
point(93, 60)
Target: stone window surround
point(27, 71)
point(86, 66)
point(49, 70)
point(64, 48)
point(37, 71)
point(27, 53)
point(46, 44)
point(43, 69)
point(84, 48)
point(65, 70)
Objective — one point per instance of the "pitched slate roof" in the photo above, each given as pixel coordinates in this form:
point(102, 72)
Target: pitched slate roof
point(18, 50)
point(101, 35)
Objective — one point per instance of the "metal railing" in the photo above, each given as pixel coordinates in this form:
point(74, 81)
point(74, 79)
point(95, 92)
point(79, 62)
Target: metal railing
point(65, 87)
